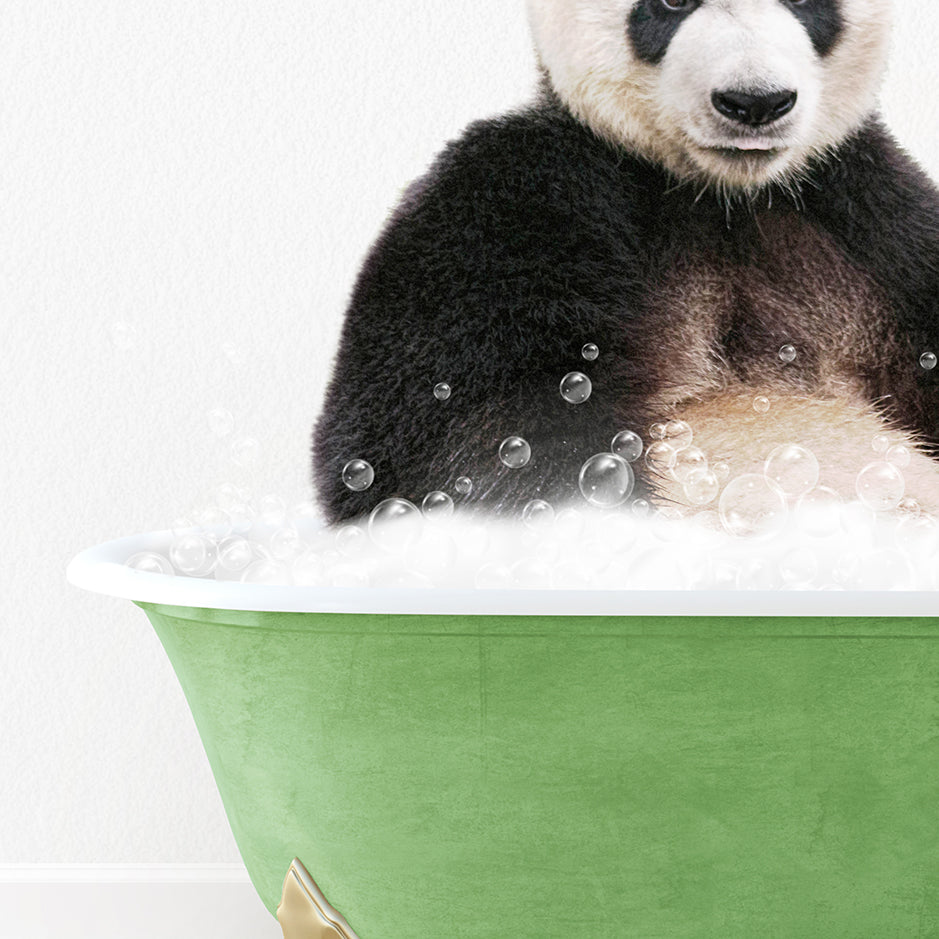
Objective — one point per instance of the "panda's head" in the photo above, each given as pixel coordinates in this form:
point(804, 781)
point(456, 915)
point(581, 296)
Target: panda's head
point(737, 93)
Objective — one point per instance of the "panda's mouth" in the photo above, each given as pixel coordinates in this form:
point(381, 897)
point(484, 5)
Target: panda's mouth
point(747, 153)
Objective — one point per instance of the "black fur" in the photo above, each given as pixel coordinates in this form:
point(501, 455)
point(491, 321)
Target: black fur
point(529, 238)
point(822, 21)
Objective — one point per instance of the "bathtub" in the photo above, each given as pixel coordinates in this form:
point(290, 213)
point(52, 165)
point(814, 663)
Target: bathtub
point(425, 765)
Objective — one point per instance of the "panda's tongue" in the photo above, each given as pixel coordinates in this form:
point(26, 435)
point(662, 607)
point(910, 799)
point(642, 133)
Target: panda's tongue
point(752, 145)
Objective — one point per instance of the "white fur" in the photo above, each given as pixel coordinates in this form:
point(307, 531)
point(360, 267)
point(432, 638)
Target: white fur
point(664, 111)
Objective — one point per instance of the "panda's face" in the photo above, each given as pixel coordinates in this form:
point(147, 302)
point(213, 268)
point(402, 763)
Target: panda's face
point(733, 92)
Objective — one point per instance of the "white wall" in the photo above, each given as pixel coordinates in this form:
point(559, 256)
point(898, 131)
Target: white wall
point(182, 184)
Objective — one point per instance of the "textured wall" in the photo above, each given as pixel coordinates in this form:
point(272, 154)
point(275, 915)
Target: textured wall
point(187, 189)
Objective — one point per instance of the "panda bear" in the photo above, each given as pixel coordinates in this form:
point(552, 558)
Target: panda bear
point(699, 185)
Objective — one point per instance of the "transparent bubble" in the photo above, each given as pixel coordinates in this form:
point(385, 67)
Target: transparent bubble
point(799, 566)
point(437, 505)
point(663, 523)
point(228, 495)
point(657, 431)
point(493, 576)
point(606, 480)
point(514, 452)
point(751, 507)
point(358, 475)
point(758, 574)
point(928, 361)
point(531, 574)
point(245, 450)
point(899, 456)
point(304, 513)
point(787, 353)
point(701, 487)
point(286, 543)
point(883, 569)
point(657, 569)
point(221, 422)
point(628, 445)
point(307, 569)
point(266, 571)
point(641, 508)
point(395, 524)
point(234, 554)
point(463, 485)
point(538, 514)
point(819, 512)
point(569, 524)
point(123, 335)
point(678, 434)
point(688, 461)
point(661, 457)
point(761, 404)
point(880, 443)
point(272, 510)
point(349, 576)
point(576, 387)
point(880, 486)
point(442, 391)
point(215, 522)
point(242, 517)
point(793, 469)
point(721, 470)
point(192, 554)
point(149, 562)
point(351, 541)
point(590, 352)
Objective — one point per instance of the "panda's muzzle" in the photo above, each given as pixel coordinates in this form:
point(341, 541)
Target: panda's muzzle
point(753, 110)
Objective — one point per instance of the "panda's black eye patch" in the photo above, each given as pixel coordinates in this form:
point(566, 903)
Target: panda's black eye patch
point(821, 19)
point(653, 23)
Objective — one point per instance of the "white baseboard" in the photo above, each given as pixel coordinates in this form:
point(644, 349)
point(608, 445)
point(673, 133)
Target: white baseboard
point(153, 901)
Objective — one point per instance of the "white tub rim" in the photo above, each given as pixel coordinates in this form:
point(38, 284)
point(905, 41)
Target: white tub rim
point(101, 569)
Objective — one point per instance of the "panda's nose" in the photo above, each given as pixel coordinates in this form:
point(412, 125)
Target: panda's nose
point(754, 110)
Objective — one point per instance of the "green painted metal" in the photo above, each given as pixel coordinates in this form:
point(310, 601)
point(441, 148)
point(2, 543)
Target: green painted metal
point(611, 777)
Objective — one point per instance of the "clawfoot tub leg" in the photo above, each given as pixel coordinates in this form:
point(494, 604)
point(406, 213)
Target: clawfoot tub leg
point(304, 913)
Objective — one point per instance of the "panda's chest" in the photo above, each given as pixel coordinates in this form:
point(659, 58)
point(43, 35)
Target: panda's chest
point(785, 309)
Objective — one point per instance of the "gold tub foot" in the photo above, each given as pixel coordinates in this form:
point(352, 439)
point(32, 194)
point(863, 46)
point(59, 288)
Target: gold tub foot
point(304, 912)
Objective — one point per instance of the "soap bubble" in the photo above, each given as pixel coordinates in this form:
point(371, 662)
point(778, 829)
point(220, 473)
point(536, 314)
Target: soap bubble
point(216, 523)
point(307, 569)
point(442, 391)
point(272, 510)
point(437, 505)
point(221, 422)
point(678, 434)
point(606, 480)
point(538, 514)
point(701, 487)
point(304, 513)
point(395, 524)
point(758, 574)
point(628, 445)
point(590, 352)
point(349, 576)
point(576, 387)
point(787, 353)
point(721, 470)
point(531, 574)
point(899, 456)
point(661, 457)
point(657, 431)
point(358, 475)
point(799, 566)
point(192, 554)
point(493, 576)
point(880, 443)
point(234, 554)
point(761, 404)
point(750, 506)
point(657, 569)
point(350, 541)
point(928, 361)
point(286, 543)
point(688, 461)
point(266, 571)
point(641, 508)
point(150, 562)
point(880, 486)
point(245, 450)
point(793, 469)
point(242, 516)
point(819, 512)
point(514, 452)
point(463, 485)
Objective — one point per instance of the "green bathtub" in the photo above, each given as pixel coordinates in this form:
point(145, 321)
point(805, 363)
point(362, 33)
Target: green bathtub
point(604, 765)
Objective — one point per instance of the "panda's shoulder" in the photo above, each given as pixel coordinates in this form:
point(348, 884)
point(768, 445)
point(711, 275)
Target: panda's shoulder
point(535, 153)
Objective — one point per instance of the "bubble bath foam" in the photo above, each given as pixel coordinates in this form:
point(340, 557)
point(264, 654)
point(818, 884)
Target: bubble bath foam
point(542, 764)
